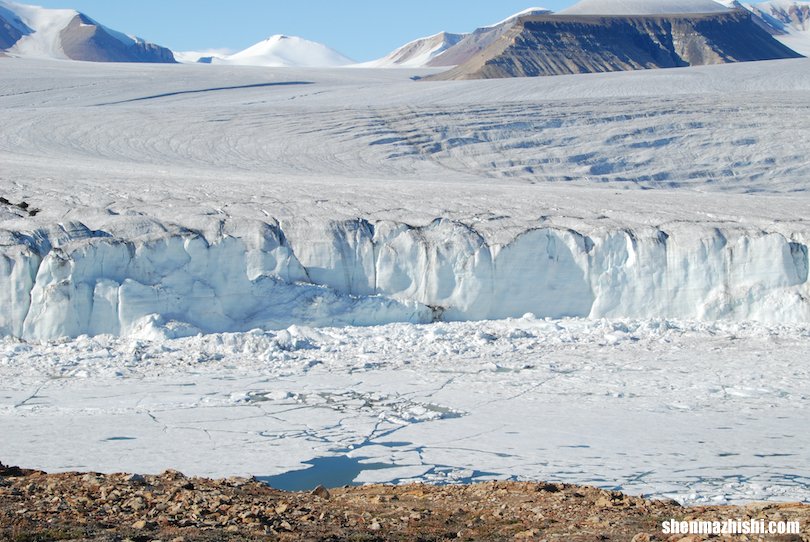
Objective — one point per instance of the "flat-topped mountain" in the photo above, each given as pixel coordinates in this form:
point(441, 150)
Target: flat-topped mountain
point(585, 43)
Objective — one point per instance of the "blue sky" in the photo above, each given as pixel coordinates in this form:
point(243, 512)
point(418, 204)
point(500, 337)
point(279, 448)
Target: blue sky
point(360, 29)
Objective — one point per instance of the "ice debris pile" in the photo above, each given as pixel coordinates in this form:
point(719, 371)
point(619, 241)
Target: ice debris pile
point(70, 280)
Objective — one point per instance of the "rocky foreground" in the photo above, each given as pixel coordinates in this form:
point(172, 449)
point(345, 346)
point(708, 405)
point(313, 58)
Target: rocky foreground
point(36, 506)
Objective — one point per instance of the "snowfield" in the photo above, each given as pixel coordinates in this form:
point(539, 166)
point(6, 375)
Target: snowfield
point(704, 413)
point(195, 240)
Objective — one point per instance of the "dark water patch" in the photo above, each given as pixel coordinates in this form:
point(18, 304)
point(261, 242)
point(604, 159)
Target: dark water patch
point(334, 471)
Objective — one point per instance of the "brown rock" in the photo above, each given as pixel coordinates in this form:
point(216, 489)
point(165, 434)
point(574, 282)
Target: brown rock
point(604, 502)
point(172, 474)
point(321, 492)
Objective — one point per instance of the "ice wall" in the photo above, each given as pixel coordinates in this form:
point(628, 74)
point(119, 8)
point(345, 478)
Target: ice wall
point(173, 281)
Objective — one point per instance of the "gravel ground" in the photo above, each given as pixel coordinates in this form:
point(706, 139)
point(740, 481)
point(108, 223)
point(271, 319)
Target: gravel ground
point(36, 506)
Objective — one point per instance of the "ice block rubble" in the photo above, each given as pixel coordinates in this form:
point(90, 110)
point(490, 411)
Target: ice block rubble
point(147, 278)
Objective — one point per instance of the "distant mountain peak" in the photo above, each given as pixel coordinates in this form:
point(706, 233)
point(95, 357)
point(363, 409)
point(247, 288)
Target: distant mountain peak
point(282, 50)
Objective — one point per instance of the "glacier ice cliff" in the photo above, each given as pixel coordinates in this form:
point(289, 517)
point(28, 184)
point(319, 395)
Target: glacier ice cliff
point(151, 277)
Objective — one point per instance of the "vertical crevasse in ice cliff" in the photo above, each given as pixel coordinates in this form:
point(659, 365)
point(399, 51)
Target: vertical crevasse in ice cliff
point(18, 269)
point(73, 281)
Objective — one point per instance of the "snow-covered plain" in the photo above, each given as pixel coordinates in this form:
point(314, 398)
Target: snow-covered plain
point(712, 412)
point(180, 202)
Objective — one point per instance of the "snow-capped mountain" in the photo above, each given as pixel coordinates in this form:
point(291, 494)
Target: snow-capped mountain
point(792, 13)
point(281, 51)
point(35, 32)
point(787, 20)
point(446, 49)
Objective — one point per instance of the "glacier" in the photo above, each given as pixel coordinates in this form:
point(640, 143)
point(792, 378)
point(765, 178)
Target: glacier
point(170, 202)
point(76, 281)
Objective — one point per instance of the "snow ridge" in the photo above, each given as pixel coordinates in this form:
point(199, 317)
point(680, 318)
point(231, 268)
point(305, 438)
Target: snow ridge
point(643, 7)
point(525, 13)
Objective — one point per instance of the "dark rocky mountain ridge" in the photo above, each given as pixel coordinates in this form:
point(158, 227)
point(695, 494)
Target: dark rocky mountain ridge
point(570, 44)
